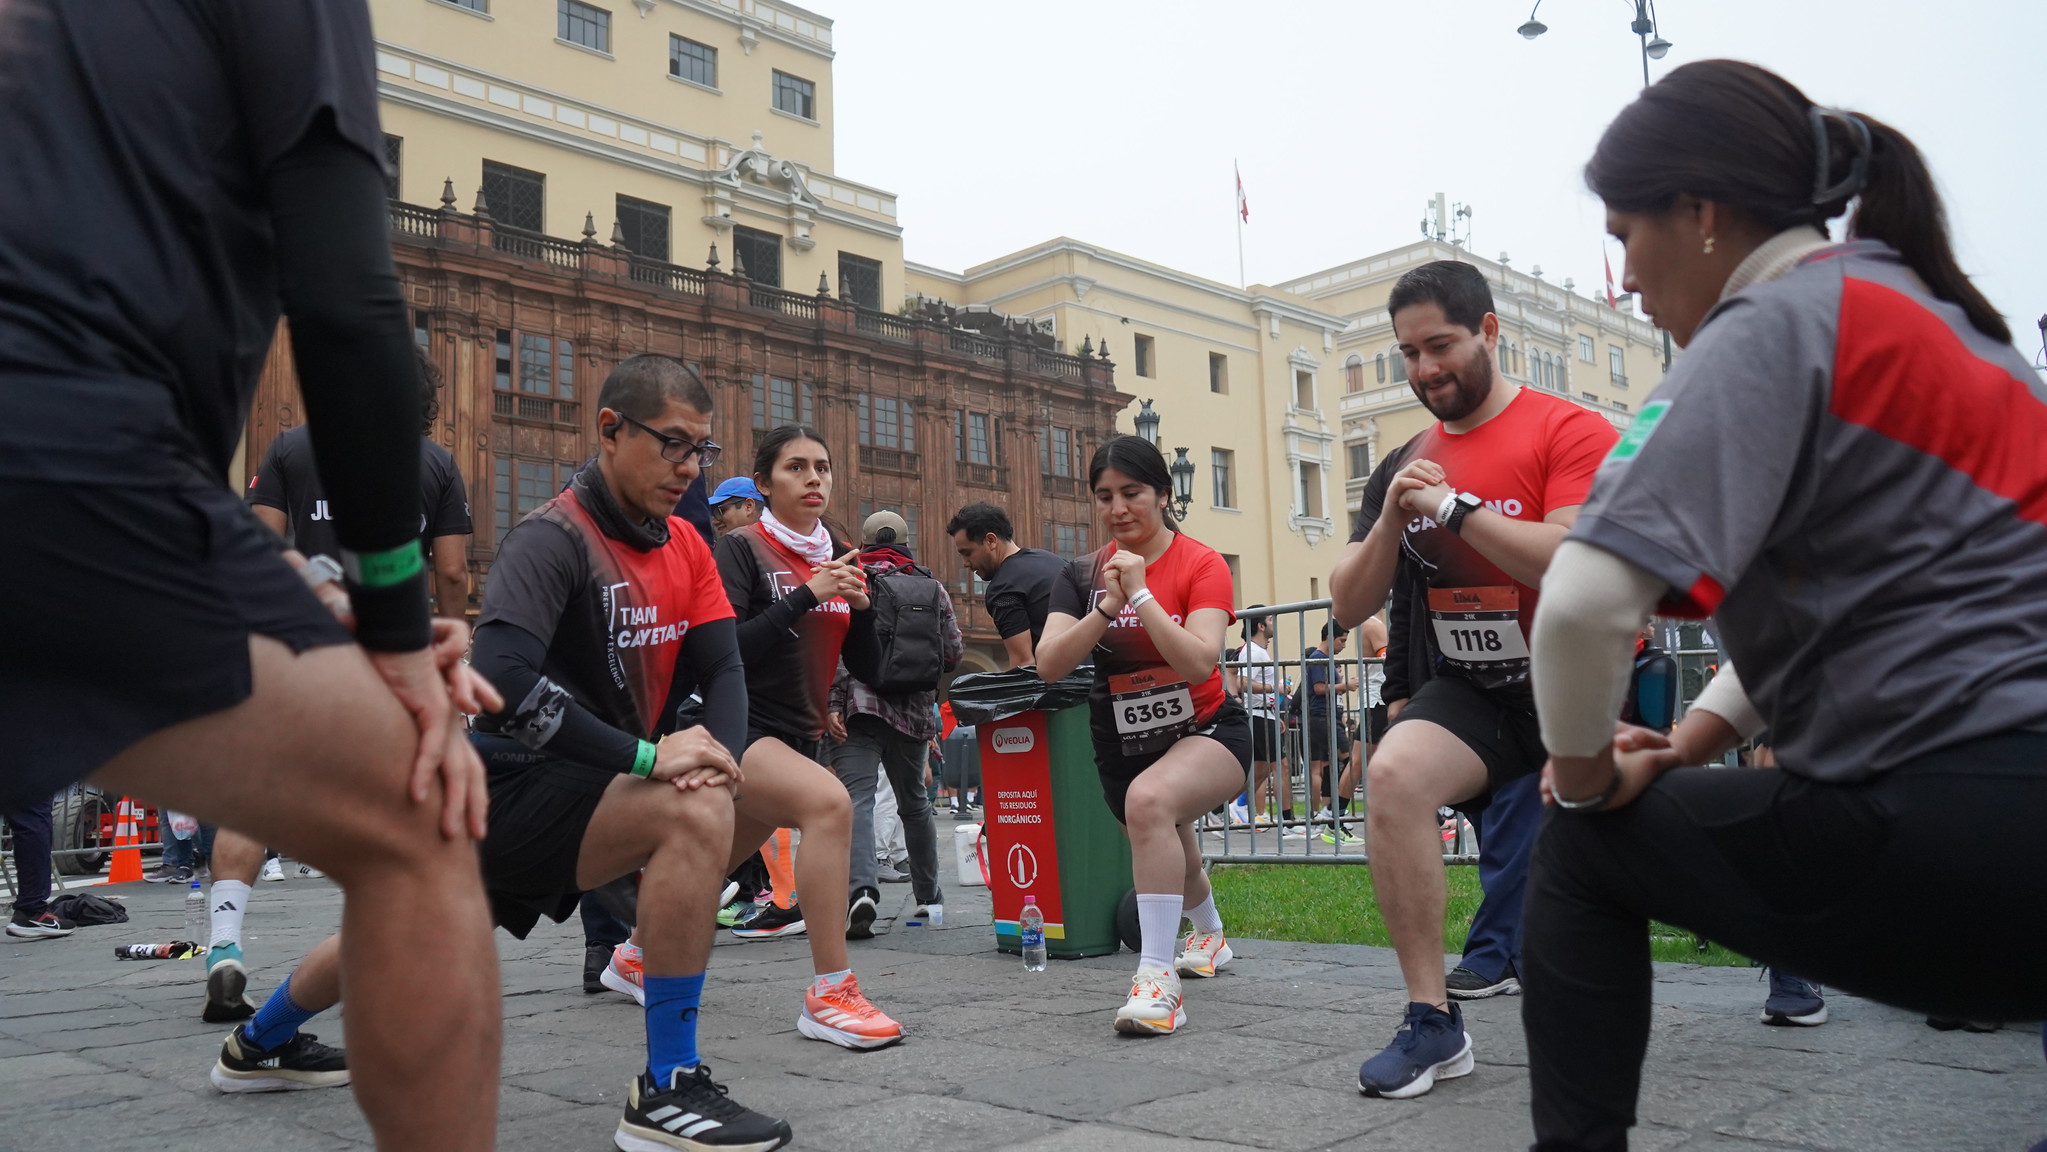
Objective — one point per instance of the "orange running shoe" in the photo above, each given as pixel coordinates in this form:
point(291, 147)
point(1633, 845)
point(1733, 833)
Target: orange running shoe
point(626, 974)
point(841, 1015)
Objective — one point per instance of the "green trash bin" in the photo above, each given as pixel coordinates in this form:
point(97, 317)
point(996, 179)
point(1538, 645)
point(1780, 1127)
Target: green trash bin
point(1050, 834)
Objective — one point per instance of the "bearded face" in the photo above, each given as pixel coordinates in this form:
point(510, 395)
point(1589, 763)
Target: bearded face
point(1457, 389)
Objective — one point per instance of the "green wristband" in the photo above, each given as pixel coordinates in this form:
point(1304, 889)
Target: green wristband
point(383, 569)
point(643, 760)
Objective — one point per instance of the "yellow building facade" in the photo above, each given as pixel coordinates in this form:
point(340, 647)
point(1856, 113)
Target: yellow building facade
point(668, 125)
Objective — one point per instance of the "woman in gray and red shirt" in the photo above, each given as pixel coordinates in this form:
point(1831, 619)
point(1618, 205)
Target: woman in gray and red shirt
point(1169, 743)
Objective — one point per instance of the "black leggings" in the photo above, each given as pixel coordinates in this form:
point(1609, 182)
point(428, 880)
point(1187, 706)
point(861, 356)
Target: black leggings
point(1925, 888)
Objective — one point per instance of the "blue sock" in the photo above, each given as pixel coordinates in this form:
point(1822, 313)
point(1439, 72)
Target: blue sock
point(672, 1024)
point(278, 1020)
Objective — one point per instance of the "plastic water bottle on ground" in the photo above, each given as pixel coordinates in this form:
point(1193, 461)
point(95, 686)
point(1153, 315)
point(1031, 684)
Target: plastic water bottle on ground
point(1030, 925)
point(198, 922)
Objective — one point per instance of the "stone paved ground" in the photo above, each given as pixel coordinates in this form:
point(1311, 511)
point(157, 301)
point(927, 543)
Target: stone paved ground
point(108, 1055)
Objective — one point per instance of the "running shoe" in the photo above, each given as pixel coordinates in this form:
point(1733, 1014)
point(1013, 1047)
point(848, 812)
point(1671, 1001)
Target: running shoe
point(772, 922)
point(1154, 1006)
point(887, 872)
point(273, 870)
point(308, 872)
point(227, 979)
point(1202, 953)
point(860, 913)
point(626, 974)
point(841, 1015)
point(1342, 835)
point(1240, 813)
point(298, 1063)
point(1794, 1001)
point(596, 958)
point(1431, 1045)
point(1950, 1024)
point(42, 925)
point(168, 873)
point(729, 893)
point(1465, 984)
point(735, 912)
point(694, 1114)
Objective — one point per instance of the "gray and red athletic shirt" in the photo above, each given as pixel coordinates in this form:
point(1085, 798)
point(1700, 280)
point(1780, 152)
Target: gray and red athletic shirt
point(1850, 480)
point(791, 643)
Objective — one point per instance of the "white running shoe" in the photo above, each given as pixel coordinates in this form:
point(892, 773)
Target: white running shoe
point(273, 869)
point(308, 872)
point(1202, 953)
point(1154, 1005)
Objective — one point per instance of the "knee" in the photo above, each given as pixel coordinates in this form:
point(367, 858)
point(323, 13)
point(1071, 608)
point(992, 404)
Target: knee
point(700, 818)
point(1146, 805)
point(1391, 782)
point(832, 808)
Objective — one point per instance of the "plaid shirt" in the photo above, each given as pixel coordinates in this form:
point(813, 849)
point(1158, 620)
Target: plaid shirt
point(915, 714)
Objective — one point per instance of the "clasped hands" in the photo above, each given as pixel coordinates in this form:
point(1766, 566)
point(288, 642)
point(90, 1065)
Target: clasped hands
point(842, 578)
point(1122, 579)
point(1638, 754)
point(1419, 489)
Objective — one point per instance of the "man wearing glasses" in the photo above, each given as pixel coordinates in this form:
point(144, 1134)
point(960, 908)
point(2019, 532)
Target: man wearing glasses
point(603, 612)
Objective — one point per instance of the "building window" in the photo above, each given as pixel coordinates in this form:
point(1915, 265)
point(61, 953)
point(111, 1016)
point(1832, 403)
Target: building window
point(1304, 390)
point(517, 198)
point(546, 367)
point(691, 61)
point(422, 329)
point(959, 435)
point(1218, 373)
point(758, 253)
point(645, 226)
point(860, 280)
point(795, 95)
point(1617, 363)
point(579, 23)
point(1379, 367)
point(1399, 368)
point(1059, 452)
point(472, 5)
point(1354, 374)
point(778, 402)
point(886, 422)
point(1311, 490)
point(1585, 347)
point(521, 486)
point(1143, 355)
point(1618, 406)
point(1360, 460)
point(1236, 577)
point(1549, 371)
point(394, 156)
point(977, 439)
point(1221, 471)
point(1063, 540)
point(1588, 397)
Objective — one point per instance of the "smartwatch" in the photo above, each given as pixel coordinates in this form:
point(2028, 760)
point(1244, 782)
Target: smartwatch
point(1458, 506)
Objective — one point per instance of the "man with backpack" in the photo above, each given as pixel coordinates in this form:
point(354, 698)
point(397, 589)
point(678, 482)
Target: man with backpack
point(888, 725)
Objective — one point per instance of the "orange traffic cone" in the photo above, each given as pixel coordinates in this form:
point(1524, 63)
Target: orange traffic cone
point(127, 856)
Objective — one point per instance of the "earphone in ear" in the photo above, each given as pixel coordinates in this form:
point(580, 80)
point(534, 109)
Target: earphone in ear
point(610, 430)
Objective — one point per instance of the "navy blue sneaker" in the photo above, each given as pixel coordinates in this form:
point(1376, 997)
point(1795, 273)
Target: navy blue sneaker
point(1793, 1001)
point(1430, 1046)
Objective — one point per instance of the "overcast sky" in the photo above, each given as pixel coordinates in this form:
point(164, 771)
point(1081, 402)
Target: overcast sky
point(1116, 121)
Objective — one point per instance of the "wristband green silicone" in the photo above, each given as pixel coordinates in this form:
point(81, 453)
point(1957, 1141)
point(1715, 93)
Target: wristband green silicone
point(384, 569)
point(643, 760)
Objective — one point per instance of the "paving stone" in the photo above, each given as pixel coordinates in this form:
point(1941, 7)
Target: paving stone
point(922, 1124)
point(1261, 1115)
point(1086, 1089)
point(1097, 1137)
point(1447, 1128)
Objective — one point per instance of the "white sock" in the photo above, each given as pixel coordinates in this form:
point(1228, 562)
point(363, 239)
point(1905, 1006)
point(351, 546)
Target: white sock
point(230, 899)
point(826, 980)
point(1158, 919)
point(1204, 916)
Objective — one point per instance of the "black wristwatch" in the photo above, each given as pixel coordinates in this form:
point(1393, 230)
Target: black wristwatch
point(1461, 503)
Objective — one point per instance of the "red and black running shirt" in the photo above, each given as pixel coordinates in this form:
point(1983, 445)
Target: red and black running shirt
point(791, 643)
point(613, 617)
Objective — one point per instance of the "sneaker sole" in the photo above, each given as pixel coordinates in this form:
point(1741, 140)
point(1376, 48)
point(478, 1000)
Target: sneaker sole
point(1507, 987)
point(623, 986)
point(860, 922)
point(273, 1080)
point(819, 1030)
point(796, 929)
point(1134, 1026)
point(225, 983)
point(21, 933)
point(1221, 958)
point(731, 890)
point(1458, 1065)
point(1809, 1020)
point(632, 1137)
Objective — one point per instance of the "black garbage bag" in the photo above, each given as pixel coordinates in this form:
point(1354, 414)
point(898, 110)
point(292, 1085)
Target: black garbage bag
point(985, 697)
point(83, 909)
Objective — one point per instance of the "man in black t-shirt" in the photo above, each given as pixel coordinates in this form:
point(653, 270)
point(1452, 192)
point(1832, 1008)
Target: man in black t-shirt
point(1019, 579)
point(286, 495)
point(225, 160)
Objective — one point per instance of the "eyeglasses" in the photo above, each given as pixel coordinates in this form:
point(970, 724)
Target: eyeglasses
point(675, 449)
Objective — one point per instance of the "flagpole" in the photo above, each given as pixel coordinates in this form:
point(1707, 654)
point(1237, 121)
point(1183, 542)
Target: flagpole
point(1237, 210)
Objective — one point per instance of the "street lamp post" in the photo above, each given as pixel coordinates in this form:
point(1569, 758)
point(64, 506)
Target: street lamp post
point(1183, 483)
point(1654, 46)
point(1147, 422)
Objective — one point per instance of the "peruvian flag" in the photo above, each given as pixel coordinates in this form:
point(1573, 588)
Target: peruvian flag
point(1612, 301)
point(1243, 205)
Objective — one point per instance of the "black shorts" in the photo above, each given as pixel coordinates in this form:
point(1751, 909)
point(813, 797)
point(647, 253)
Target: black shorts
point(810, 748)
point(126, 609)
point(1230, 727)
point(1265, 739)
point(1317, 729)
point(1504, 733)
point(540, 806)
point(1375, 723)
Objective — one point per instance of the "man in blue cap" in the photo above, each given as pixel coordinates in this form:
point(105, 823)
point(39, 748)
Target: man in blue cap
point(735, 504)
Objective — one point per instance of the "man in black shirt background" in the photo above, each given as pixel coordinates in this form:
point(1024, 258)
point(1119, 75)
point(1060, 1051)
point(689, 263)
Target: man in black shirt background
point(1019, 579)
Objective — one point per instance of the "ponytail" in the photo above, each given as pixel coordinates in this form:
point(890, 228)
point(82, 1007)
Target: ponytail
point(1748, 139)
point(1901, 207)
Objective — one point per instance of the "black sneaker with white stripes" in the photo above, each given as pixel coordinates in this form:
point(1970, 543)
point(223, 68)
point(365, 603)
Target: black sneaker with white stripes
point(695, 1115)
point(298, 1063)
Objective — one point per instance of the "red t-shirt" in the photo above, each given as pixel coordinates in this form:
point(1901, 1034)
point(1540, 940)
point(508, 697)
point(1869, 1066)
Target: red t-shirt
point(789, 690)
point(1536, 456)
point(1190, 576)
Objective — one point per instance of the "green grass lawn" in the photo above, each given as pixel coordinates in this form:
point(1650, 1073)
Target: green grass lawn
point(1334, 904)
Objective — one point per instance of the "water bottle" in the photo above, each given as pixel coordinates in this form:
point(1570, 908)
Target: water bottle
point(1031, 927)
point(198, 923)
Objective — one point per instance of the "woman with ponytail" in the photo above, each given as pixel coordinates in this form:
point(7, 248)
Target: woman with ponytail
point(1845, 471)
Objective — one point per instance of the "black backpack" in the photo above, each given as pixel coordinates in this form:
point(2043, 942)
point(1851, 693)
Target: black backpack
point(908, 604)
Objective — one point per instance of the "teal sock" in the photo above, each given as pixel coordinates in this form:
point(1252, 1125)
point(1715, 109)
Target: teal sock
point(672, 1024)
point(278, 1020)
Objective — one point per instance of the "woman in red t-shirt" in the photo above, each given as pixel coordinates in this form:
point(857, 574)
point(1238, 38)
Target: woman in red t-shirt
point(1169, 743)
